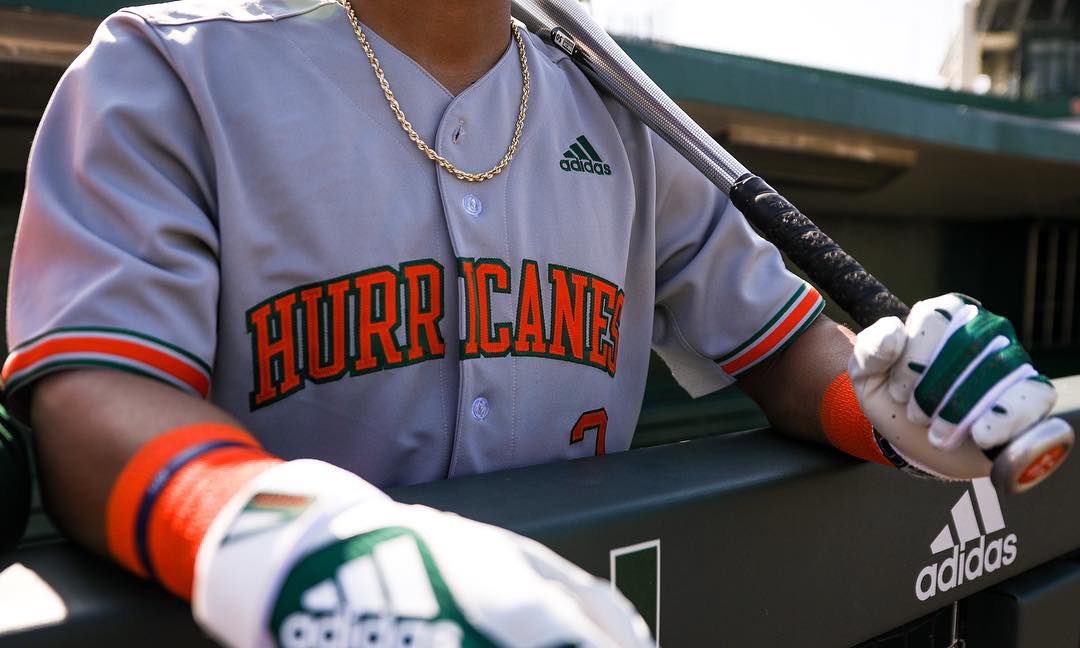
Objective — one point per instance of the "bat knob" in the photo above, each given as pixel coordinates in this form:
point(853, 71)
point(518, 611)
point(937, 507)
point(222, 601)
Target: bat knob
point(1031, 458)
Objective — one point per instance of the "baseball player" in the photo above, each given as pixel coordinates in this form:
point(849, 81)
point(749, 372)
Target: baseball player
point(277, 255)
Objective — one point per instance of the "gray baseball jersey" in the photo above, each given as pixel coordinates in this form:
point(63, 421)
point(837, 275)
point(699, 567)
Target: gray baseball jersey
point(219, 197)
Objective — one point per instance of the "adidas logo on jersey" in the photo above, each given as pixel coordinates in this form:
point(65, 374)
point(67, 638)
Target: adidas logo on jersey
point(359, 605)
point(581, 157)
point(968, 560)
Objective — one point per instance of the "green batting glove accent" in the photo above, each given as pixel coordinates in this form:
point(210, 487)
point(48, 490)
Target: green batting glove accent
point(317, 575)
point(960, 350)
point(990, 371)
point(1043, 379)
point(14, 482)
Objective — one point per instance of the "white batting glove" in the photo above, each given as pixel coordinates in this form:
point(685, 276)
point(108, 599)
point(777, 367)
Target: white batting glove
point(311, 555)
point(949, 381)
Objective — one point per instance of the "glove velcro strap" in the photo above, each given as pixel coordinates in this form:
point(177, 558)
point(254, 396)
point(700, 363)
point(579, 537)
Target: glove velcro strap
point(168, 493)
point(845, 425)
point(897, 459)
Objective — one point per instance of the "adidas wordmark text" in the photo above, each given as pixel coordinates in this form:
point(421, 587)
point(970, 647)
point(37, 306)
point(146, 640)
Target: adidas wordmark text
point(968, 562)
point(581, 157)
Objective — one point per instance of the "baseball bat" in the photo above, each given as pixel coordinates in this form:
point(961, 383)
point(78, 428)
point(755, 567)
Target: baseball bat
point(566, 25)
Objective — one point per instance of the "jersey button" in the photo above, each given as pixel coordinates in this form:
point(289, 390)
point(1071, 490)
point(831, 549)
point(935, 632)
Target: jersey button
point(480, 409)
point(472, 205)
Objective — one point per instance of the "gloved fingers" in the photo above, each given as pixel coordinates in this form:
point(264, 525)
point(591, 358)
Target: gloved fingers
point(521, 608)
point(609, 623)
point(551, 565)
point(555, 612)
point(1000, 366)
point(930, 323)
point(959, 358)
point(877, 347)
point(500, 588)
point(605, 606)
point(1018, 409)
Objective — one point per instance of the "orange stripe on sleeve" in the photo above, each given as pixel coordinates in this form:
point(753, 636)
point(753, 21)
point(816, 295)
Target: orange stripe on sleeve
point(188, 374)
point(770, 342)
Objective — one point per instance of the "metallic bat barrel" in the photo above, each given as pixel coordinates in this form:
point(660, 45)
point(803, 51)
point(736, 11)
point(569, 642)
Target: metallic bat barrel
point(846, 282)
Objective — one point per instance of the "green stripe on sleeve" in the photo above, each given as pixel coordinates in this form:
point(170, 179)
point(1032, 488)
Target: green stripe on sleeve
point(116, 331)
point(49, 367)
point(768, 325)
point(794, 336)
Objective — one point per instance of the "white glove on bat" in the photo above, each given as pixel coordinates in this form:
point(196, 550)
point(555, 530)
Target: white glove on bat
point(949, 381)
point(311, 555)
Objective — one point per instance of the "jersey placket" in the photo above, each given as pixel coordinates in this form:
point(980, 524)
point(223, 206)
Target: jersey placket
point(473, 134)
point(393, 218)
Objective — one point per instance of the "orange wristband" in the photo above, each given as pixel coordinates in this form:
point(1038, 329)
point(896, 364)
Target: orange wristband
point(844, 423)
point(170, 491)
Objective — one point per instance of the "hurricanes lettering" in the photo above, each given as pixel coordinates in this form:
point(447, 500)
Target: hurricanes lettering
point(384, 318)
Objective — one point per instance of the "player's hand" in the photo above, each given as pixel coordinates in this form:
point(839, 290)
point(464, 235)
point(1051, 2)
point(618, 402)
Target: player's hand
point(374, 572)
point(949, 381)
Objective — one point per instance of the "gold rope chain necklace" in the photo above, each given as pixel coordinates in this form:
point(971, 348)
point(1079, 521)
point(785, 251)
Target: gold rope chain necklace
point(407, 127)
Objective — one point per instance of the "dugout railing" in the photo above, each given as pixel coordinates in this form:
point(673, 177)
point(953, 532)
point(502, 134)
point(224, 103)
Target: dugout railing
point(745, 539)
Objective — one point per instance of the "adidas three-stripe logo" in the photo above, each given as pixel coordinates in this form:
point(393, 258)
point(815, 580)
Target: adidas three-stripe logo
point(967, 562)
point(963, 517)
point(326, 602)
point(581, 157)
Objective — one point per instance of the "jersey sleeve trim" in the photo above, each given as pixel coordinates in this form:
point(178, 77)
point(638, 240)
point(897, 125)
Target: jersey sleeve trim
point(105, 347)
point(787, 324)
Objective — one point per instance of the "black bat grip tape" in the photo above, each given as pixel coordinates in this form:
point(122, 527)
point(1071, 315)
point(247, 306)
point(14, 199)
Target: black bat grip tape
point(836, 272)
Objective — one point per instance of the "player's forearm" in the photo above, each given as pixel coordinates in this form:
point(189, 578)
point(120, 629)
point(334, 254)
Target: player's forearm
point(186, 503)
point(790, 387)
point(87, 425)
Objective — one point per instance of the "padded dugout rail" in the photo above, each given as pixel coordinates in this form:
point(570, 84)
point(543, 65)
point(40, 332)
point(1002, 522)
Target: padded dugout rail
point(746, 539)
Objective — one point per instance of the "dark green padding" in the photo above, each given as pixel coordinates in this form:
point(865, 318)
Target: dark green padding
point(14, 482)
